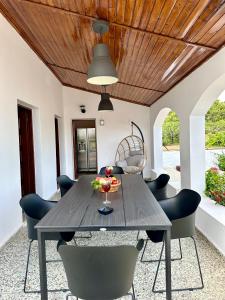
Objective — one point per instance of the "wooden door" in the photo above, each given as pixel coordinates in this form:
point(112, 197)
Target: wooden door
point(57, 151)
point(26, 148)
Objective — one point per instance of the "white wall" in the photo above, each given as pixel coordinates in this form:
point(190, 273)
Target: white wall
point(24, 77)
point(117, 125)
point(191, 99)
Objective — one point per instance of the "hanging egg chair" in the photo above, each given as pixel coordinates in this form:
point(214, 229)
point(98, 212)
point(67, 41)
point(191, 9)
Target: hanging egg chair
point(130, 154)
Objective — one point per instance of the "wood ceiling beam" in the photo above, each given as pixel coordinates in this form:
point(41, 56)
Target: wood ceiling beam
point(65, 11)
point(124, 83)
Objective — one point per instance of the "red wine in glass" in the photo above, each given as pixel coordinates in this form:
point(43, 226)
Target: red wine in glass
point(106, 187)
point(108, 171)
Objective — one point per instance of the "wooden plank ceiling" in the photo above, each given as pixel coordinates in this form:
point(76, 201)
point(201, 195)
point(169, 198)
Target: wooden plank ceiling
point(153, 43)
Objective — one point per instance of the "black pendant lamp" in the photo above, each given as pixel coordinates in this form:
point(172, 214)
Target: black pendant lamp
point(101, 70)
point(105, 104)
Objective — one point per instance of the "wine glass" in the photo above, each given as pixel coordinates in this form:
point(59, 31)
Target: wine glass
point(108, 171)
point(106, 185)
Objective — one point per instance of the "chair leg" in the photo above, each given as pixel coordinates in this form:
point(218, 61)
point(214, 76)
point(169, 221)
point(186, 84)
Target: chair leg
point(133, 296)
point(199, 265)
point(156, 260)
point(26, 274)
point(137, 238)
point(27, 266)
point(181, 289)
point(69, 295)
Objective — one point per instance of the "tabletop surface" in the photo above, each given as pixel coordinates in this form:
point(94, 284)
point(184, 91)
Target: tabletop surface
point(135, 208)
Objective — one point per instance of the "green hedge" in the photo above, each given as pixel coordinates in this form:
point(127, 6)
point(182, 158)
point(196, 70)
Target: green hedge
point(215, 185)
point(221, 161)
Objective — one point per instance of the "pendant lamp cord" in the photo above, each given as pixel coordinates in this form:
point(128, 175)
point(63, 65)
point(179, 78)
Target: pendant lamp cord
point(100, 34)
point(104, 88)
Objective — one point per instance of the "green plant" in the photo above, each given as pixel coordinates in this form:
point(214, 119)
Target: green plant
point(214, 127)
point(171, 129)
point(215, 139)
point(221, 161)
point(215, 185)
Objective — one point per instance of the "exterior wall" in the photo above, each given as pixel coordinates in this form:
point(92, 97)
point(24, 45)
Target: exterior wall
point(117, 125)
point(191, 99)
point(25, 79)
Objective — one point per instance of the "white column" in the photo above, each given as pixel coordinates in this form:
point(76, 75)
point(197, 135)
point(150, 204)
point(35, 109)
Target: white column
point(185, 152)
point(192, 152)
point(157, 149)
point(197, 151)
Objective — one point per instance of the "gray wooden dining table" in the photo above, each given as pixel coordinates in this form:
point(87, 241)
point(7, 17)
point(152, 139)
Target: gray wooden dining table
point(135, 208)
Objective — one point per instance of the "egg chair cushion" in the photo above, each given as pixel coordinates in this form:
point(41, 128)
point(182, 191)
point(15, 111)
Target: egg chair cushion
point(132, 170)
point(136, 160)
point(136, 152)
point(121, 163)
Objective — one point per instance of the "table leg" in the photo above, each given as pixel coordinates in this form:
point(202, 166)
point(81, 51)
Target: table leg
point(168, 263)
point(42, 265)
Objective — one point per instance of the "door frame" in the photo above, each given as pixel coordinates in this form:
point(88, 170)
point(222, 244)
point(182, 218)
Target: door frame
point(31, 129)
point(74, 128)
point(57, 147)
point(36, 143)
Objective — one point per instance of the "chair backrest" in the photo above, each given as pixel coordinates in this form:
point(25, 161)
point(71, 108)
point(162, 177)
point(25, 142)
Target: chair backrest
point(159, 183)
point(182, 205)
point(135, 160)
point(116, 170)
point(99, 272)
point(35, 208)
point(65, 183)
point(180, 209)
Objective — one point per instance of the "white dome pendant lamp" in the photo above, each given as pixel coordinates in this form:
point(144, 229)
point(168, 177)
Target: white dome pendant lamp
point(102, 70)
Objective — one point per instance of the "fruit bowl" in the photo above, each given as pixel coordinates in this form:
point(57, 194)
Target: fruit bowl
point(114, 187)
point(98, 181)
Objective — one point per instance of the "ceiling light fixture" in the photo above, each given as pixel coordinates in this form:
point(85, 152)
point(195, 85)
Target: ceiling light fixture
point(102, 70)
point(105, 104)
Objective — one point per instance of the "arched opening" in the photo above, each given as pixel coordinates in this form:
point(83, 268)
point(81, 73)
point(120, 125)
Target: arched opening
point(171, 147)
point(215, 150)
point(166, 144)
point(215, 131)
point(207, 132)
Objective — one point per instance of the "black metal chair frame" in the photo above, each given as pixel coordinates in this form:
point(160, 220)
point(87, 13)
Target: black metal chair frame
point(182, 215)
point(41, 208)
point(157, 260)
point(161, 260)
point(26, 274)
point(47, 261)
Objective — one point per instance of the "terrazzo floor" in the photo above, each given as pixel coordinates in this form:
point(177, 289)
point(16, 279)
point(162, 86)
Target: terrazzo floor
point(185, 273)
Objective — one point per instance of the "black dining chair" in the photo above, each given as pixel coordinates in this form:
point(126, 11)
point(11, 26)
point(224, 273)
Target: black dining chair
point(95, 273)
point(35, 208)
point(116, 170)
point(181, 211)
point(65, 183)
point(159, 186)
